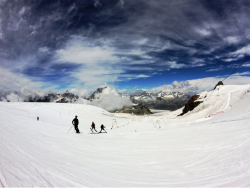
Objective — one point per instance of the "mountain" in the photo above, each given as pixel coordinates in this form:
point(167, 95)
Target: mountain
point(142, 97)
point(108, 98)
point(95, 94)
point(108, 90)
point(140, 109)
point(56, 98)
point(162, 100)
point(51, 97)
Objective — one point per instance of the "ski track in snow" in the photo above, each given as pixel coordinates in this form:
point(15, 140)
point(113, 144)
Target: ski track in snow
point(139, 151)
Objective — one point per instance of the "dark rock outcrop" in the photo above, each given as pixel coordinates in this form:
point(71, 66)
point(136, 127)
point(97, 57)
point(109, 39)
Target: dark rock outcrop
point(219, 83)
point(93, 96)
point(36, 98)
point(140, 109)
point(191, 104)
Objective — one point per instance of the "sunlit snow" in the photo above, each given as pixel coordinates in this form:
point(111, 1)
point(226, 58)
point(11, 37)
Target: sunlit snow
point(209, 146)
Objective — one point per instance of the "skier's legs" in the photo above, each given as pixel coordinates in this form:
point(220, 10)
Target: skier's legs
point(101, 129)
point(76, 128)
point(94, 128)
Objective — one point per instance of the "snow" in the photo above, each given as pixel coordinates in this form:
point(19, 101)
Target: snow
point(209, 146)
point(137, 97)
point(168, 96)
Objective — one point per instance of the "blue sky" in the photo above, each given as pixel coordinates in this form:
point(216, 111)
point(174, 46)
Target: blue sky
point(60, 45)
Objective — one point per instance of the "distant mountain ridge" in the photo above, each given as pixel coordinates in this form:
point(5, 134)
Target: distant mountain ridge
point(66, 97)
point(161, 100)
point(51, 97)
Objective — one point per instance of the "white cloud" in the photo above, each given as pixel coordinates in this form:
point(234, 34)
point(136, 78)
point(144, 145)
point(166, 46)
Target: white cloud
point(82, 101)
point(195, 86)
point(231, 40)
point(242, 51)
point(22, 11)
point(180, 84)
point(215, 69)
point(135, 91)
point(140, 41)
point(242, 74)
point(21, 81)
point(74, 91)
point(85, 54)
point(246, 65)
point(97, 3)
point(233, 59)
point(203, 32)
point(71, 8)
point(14, 98)
point(83, 93)
point(174, 65)
point(95, 76)
point(142, 76)
point(44, 51)
point(98, 61)
point(121, 3)
point(110, 100)
point(209, 83)
point(2, 99)
point(177, 86)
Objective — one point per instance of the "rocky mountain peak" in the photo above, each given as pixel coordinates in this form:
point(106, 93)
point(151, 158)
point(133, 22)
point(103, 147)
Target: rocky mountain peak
point(98, 90)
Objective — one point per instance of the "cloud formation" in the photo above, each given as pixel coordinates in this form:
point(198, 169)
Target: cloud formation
point(111, 100)
point(75, 44)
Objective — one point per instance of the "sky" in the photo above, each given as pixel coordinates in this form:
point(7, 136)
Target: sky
point(131, 45)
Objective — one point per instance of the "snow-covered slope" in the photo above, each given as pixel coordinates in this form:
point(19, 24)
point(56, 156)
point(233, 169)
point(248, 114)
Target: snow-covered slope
point(188, 151)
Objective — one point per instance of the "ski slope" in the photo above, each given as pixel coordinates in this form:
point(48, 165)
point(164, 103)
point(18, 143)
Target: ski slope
point(209, 146)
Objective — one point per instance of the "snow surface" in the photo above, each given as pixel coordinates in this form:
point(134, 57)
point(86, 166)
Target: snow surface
point(209, 146)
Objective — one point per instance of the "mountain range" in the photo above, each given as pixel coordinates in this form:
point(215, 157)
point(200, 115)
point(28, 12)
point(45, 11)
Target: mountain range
point(66, 97)
point(161, 100)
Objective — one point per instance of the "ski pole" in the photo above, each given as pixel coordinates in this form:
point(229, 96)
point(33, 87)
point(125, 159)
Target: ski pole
point(70, 128)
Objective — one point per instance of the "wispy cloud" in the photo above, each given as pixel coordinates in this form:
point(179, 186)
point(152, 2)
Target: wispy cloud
point(75, 44)
point(97, 3)
point(142, 76)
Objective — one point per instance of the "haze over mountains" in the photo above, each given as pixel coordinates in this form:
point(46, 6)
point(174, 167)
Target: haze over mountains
point(106, 97)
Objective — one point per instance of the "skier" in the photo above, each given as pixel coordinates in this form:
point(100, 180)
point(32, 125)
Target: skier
point(102, 128)
point(75, 122)
point(93, 127)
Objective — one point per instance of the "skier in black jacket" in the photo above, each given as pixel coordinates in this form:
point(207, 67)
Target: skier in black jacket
point(75, 122)
point(102, 128)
